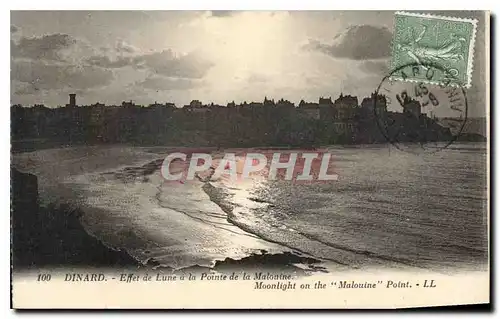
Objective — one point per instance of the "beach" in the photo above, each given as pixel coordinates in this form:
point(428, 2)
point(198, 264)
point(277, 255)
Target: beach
point(389, 209)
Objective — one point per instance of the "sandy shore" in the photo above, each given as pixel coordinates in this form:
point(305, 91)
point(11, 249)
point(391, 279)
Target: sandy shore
point(173, 232)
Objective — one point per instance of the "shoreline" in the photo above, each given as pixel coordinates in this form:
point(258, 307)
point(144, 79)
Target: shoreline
point(65, 243)
point(33, 145)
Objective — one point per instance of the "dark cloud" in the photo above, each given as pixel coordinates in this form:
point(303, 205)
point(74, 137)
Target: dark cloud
point(376, 67)
point(105, 61)
point(47, 47)
point(13, 28)
point(165, 63)
point(160, 83)
point(362, 42)
point(40, 75)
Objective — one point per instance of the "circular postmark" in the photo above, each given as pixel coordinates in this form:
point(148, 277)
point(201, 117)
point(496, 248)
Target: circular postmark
point(420, 116)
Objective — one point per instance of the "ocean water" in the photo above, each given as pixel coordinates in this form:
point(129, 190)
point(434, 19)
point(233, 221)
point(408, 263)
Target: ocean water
point(388, 208)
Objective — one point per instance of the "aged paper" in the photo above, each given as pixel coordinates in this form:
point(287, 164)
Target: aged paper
point(249, 159)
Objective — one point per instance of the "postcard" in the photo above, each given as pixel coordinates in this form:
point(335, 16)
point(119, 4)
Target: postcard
point(250, 159)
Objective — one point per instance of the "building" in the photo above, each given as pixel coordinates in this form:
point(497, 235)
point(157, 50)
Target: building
point(167, 105)
point(325, 108)
point(410, 106)
point(196, 106)
point(255, 105)
point(284, 104)
point(345, 128)
point(309, 110)
point(128, 104)
point(325, 102)
point(72, 100)
point(413, 107)
point(97, 114)
point(368, 104)
point(346, 101)
point(345, 107)
point(268, 102)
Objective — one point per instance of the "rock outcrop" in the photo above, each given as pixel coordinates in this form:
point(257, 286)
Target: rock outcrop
point(53, 235)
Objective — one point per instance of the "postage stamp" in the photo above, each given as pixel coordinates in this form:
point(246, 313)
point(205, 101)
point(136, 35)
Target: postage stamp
point(428, 39)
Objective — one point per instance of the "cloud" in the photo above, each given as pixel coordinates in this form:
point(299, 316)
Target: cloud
point(191, 66)
point(53, 63)
point(160, 83)
point(165, 63)
point(41, 75)
point(13, 28)
point(48, 47)
point(105, 61)
point(363, 42)
point(124, 47)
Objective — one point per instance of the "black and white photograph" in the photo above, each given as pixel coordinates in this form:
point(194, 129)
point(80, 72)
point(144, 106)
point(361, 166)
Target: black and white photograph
point(253, 148)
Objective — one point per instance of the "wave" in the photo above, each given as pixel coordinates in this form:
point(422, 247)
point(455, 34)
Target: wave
point(264, 226)
point(128, 205)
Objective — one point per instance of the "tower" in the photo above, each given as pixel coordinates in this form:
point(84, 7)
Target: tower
point(72, 100)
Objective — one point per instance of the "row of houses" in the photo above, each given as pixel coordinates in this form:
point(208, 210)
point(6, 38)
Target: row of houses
point(345, 113)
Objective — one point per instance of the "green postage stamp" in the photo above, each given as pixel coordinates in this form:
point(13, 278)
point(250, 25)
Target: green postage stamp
point(433, 49)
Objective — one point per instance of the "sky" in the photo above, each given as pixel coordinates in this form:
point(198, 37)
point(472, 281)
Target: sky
point(212, 56)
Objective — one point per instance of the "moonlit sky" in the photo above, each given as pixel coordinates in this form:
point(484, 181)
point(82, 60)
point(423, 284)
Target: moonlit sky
point(219, 56)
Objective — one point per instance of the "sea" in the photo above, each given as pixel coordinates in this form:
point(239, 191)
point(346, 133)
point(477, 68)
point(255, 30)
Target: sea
point(388, 209)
